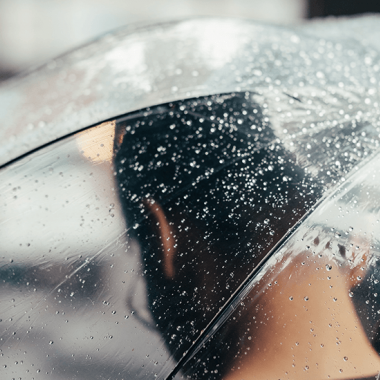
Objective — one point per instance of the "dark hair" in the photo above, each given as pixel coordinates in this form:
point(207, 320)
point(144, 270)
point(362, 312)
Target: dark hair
point(227, 185)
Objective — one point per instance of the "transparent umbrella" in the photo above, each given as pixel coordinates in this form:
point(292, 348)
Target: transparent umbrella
point(197, 199)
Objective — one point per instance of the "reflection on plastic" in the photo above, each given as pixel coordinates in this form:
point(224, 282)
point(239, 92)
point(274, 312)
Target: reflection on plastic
point(313, 310)
point(71, 281)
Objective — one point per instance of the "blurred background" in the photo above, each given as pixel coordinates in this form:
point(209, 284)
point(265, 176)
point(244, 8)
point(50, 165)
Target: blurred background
point(33, 31)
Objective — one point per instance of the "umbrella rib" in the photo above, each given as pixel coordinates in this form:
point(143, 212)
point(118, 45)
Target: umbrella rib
point(233, 302)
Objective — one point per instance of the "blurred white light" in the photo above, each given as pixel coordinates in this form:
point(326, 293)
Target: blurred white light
point(33, 31)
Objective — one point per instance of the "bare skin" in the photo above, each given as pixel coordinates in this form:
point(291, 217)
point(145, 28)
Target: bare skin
point(307, 328)
point(305, 324)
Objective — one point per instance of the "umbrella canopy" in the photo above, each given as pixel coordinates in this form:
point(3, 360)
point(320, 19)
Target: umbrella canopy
point(160, 185)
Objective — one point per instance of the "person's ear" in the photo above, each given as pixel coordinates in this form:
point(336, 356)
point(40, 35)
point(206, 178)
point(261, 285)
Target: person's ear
point(165, 231)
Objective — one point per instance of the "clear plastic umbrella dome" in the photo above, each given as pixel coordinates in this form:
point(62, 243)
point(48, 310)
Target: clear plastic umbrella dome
point(196, 199)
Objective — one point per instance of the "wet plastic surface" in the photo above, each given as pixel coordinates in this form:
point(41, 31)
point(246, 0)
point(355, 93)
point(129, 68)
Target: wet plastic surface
point(135, 68)
point(122, 243)
point(314, 305)
point(139, 247)
point(71, 283)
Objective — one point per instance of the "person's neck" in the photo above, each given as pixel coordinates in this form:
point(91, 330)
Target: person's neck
point(307, 328)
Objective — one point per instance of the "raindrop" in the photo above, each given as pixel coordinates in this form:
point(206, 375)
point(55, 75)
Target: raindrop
point(328, 267)
point(291, 298)
point(306, 298)
point(345, 358)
